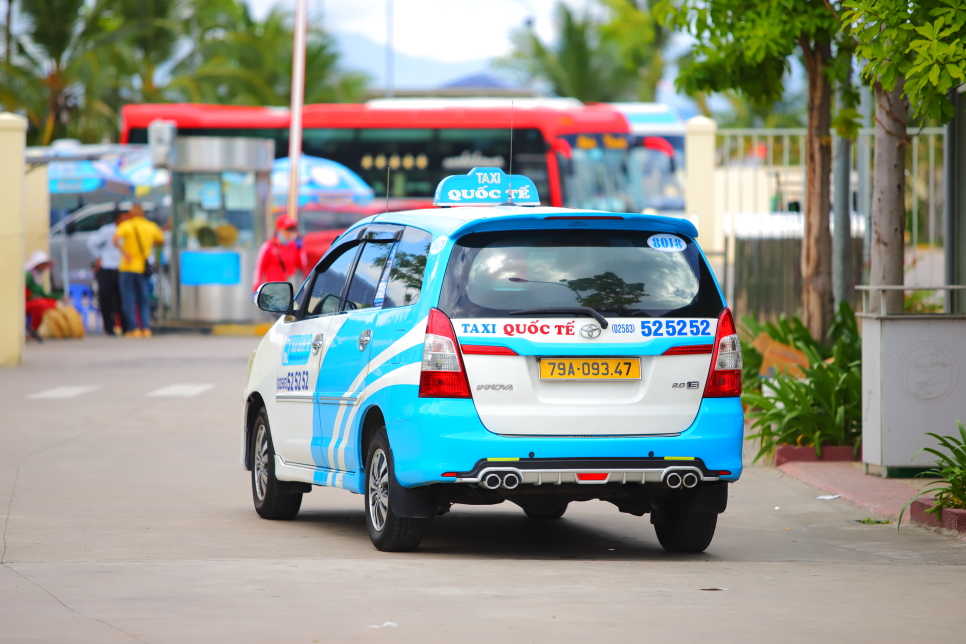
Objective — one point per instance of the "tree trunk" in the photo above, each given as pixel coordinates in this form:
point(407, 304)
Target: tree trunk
point(889, 195)
point(817, 301)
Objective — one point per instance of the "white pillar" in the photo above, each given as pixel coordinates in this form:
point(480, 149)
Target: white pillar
point(13, 131)
point(699, 148)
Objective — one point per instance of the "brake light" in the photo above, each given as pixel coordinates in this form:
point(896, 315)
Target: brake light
point(724, 378)
point(584, 217)
point(689, 350)
point(442, 373)
point(486, 350)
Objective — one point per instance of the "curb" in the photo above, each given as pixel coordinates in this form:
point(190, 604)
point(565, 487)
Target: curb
point(830, 454)
point(949, 519)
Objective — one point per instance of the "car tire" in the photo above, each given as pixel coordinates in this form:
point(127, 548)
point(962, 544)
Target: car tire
point(546, 509)
point(686, 531)
point(270, 501)
point(388, 531)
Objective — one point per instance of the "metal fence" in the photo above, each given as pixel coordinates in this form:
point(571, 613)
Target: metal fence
point(760, 195)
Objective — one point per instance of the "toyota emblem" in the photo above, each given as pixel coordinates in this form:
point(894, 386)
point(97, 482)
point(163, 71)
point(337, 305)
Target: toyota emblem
point(590, 331)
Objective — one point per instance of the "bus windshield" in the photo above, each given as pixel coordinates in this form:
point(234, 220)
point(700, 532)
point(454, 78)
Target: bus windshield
point(596, 173)
point(659, 161)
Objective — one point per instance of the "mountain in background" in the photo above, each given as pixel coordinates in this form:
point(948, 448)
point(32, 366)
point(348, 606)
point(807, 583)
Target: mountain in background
point(359, 53)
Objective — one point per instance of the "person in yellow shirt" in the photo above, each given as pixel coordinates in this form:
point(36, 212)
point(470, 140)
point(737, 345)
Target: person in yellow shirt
point(136, 236)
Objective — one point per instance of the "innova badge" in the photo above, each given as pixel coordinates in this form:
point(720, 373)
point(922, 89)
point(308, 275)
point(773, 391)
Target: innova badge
point(590, 331)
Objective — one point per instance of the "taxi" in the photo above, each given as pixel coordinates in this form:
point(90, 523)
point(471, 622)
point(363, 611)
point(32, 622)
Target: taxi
point(494, 350)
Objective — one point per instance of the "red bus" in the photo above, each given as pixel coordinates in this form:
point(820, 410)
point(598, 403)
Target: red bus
point(576, 155)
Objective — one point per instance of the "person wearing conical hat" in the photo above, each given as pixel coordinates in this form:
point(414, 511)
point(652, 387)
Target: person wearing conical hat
point(39, 300)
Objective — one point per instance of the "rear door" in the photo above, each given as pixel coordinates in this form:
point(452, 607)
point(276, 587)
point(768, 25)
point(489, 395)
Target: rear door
point(573, 375)
point(308, 340)
point(342, 380)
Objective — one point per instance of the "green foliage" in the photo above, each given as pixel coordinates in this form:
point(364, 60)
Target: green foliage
point(922, 41)
point(919, 302)
point(744, 45)
point(950, 469)
point(594, 60)
point(75, 63)
point(824, 407)
point(871, 521)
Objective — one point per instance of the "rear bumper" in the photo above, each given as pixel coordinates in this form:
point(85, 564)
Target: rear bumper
point(448, 436)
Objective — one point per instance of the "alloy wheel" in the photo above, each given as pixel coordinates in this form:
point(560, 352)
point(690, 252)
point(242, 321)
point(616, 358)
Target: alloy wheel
point(378, 489)
point(261, 462)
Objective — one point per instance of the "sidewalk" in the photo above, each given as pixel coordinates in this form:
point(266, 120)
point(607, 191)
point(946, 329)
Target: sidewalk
point(884, 497)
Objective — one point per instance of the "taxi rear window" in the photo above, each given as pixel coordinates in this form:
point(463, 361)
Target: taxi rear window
point(618, 273)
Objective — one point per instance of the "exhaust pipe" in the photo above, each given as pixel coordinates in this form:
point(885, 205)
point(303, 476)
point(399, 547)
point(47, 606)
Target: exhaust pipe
point(491, 481)
point(689, 480)
point(511, 481)
point(673, 480)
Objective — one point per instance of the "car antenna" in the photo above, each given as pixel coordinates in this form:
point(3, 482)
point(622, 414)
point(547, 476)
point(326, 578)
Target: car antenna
point(509, 192)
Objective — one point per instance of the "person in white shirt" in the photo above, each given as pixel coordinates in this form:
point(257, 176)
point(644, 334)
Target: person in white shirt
point(107, 259)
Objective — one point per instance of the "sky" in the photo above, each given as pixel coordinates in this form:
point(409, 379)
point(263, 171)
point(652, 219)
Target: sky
point(444, 30)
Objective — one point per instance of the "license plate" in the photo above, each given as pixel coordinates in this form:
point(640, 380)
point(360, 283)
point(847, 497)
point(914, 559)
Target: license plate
point(590, 368)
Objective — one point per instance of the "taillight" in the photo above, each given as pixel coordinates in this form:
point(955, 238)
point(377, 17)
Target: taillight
point(724, 378)
point(443, 374)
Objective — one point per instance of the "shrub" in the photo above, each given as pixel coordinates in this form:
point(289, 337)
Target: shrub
point(950, 469)
point(824, 407)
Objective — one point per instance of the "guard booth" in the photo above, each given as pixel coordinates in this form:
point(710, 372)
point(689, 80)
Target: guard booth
point(220, 216)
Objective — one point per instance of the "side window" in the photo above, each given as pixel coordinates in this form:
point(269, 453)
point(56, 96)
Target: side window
point(365, 281)
point(408, 266)
point(327, 289)
point(93, 222)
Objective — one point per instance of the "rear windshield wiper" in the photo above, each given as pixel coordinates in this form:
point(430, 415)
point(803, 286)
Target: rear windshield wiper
point(578, 310)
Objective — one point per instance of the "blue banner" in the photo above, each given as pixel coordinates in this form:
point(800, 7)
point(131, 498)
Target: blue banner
point(200, 267)
point(486, 187)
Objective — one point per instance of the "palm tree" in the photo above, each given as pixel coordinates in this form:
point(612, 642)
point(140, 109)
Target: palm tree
point(250, 62)
point(154, 29)
point(55, 75)
point(584, 63)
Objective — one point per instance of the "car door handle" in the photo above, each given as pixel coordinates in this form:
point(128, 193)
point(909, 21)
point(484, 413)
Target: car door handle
point(317, 343)
point(364, 339)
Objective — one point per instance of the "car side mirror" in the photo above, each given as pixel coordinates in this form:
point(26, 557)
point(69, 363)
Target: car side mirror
point(275, 297)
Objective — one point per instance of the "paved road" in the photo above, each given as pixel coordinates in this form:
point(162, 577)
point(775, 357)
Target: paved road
point(127, 517)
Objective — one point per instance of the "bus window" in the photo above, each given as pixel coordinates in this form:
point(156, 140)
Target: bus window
point(422, 157)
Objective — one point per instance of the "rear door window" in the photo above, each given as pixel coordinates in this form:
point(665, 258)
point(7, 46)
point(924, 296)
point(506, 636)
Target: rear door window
point(408, 267)
point(365, 280)
point(617, 273)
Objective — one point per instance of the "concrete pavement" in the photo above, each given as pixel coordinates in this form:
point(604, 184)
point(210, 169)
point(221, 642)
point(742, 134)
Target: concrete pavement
point(126, 516)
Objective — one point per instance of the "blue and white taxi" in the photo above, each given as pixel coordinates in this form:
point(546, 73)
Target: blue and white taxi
point(494, 350)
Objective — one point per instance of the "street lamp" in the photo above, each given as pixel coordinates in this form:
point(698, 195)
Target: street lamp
point(298, 97)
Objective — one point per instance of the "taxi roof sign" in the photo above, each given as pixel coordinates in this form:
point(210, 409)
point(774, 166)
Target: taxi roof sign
point(486, 187)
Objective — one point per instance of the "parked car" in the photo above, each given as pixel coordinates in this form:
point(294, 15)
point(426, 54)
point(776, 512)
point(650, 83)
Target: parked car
point(320, 227)
point(74, 231)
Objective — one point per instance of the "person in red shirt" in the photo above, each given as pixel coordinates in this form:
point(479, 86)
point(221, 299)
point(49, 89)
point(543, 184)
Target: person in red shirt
point(282, 256)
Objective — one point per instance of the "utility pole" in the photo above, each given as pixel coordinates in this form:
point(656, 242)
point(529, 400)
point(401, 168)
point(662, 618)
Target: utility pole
point(298, 97)
point(389, 51)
